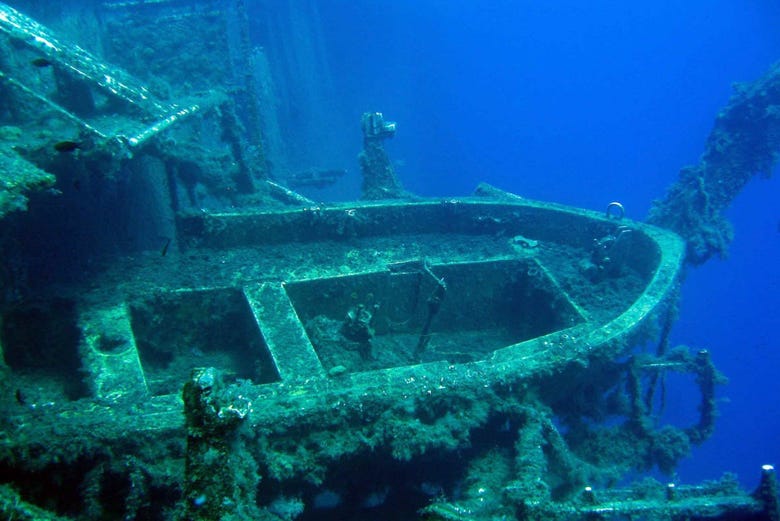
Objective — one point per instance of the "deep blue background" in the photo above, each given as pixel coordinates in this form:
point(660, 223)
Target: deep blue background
point(584, 103)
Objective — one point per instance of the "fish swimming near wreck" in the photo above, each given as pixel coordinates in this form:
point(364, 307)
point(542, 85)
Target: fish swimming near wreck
point(66, 146)
point(41, 62)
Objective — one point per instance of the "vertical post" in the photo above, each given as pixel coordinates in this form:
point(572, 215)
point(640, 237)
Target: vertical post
point(220, 479)
point(767, 491)
point(379, 180)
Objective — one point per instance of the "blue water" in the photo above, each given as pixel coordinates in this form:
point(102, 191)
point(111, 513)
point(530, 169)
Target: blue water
point(584, 103)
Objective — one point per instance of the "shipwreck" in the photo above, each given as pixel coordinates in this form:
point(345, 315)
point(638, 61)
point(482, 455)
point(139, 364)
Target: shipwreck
point(186, 336)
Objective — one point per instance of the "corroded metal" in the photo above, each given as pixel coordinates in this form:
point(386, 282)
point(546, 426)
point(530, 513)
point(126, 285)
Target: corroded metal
point(744, 142)
point(267, 357)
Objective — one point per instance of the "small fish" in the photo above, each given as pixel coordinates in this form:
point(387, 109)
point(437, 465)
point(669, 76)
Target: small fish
point(164, 251)
point(21, 399)
point(67, 146)
point(42, 62)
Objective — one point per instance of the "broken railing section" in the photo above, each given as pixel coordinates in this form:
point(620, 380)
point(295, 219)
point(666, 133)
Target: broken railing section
point(105, 115)
point(76, 61)
point(745, 141)
point(105, 103)
point(649, 499)
point(544, 481)
point(102, 100)
point(546, 478)
point(679, 360)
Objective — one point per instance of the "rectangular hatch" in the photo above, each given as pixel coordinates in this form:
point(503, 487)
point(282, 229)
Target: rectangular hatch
point(178, 331)
point(458, 312)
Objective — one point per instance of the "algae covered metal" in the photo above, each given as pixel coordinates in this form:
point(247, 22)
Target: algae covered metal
point(185, 337)
point(316, 316)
